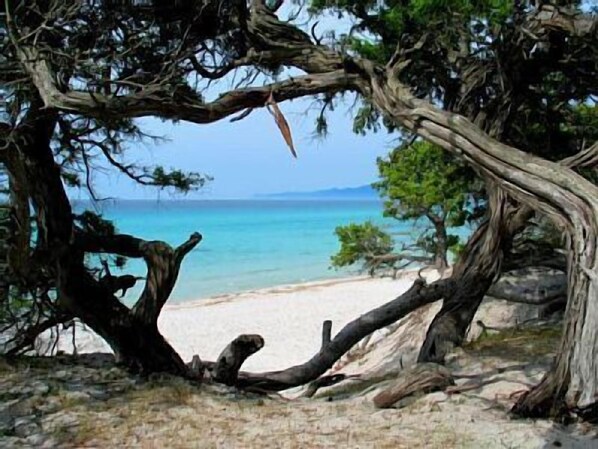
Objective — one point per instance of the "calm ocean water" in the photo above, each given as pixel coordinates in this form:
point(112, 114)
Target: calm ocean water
point(246, 244)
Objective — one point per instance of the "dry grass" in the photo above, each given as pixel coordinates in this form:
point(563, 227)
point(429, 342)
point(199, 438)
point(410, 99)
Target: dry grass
point(171, 412)
point(518, 343)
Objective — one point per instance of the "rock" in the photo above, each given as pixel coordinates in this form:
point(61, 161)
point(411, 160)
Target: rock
point(36, 440)
point(61, 374)
point(6, 415)
point(49, 405)
point(25, 426)
point(97, 393)
point(40, 388)
point(76, 396)
point(16, 408)
point(10, 442)
point(60, 421)
point(21, 390)
point(49, 444)
point(455, 356)
point(113, 373)
point(533, 285)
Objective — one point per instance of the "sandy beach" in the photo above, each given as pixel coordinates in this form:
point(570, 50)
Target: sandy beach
point(288, 317)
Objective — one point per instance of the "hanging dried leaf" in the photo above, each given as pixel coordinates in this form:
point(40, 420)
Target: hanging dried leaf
point(282, 123)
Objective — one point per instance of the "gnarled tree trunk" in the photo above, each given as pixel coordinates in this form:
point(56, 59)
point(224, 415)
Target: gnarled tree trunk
point(476, 269)
point(567, 198)
point(441, 237)
point(133, 334)
point(572, 381)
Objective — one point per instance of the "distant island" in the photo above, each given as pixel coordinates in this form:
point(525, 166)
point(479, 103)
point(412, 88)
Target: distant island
point(365, 192)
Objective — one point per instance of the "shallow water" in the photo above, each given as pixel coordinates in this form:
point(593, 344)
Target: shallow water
point(247, 244)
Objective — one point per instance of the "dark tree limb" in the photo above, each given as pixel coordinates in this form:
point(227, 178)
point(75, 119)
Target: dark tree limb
point(326, 333)
point(325, 381)
point(137, 345)
point(417, 296)
point(226, 369)
point(163, 265)
point(24, 339)
point(475, 271)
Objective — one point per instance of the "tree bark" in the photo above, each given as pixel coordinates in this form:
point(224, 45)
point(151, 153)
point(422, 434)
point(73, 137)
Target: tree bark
point(226, 369)
point(441, 238)
point(19, 248)
point(475, 271)
point(422, 378)
point(573, 380)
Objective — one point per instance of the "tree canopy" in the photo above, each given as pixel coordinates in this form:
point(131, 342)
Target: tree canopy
point(471, 77)
point(422, 181)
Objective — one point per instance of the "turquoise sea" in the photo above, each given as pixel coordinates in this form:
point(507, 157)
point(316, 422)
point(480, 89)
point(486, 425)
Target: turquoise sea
point(247, 244)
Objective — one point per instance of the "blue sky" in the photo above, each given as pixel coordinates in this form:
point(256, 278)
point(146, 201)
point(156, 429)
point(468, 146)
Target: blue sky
point(250, 157)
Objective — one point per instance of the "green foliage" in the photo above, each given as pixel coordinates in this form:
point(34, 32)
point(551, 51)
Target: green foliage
point(427, 243)
point(416, 180)
point(388, 21)
point(359, 242)
point(177, 179)
point(94, 223)
point(421, 179)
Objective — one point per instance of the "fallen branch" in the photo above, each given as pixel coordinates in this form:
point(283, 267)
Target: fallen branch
point(226, 369)
point(417, 296)
point(422, 378)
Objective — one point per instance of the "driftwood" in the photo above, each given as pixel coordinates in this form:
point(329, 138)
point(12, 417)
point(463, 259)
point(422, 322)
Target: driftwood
point(422, 378)
point(326, 333)
point(325, 381)
point(417, 296)
point(226, 369)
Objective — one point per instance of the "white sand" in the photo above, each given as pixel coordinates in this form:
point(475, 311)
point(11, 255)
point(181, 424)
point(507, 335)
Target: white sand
point(288, 317)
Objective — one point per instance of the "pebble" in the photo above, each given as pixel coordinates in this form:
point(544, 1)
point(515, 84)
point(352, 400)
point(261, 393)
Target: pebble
point(76, 396)
point(60, 421)
point(36, 440)
point(25, 426)
point(62, 374)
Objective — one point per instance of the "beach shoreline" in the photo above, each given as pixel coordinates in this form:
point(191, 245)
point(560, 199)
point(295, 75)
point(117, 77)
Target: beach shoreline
point(288, 317)
point(284, 288)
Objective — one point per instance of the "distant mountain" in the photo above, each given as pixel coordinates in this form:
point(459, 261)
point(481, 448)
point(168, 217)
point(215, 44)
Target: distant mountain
point(349, 193)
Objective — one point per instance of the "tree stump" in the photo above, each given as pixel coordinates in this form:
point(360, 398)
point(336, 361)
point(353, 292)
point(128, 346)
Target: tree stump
point(422, 378)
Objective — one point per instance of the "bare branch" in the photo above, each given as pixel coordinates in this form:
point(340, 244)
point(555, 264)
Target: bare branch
point(151, 101)
point(418, 295)
point(230, 360)
point(163, 265)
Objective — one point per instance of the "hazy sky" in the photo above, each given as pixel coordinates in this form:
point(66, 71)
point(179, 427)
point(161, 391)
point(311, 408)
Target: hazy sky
point(250, 157)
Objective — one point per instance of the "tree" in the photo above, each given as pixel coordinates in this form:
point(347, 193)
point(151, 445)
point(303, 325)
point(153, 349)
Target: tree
point(420, 180)
point(467, 81)
point(364, 242)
